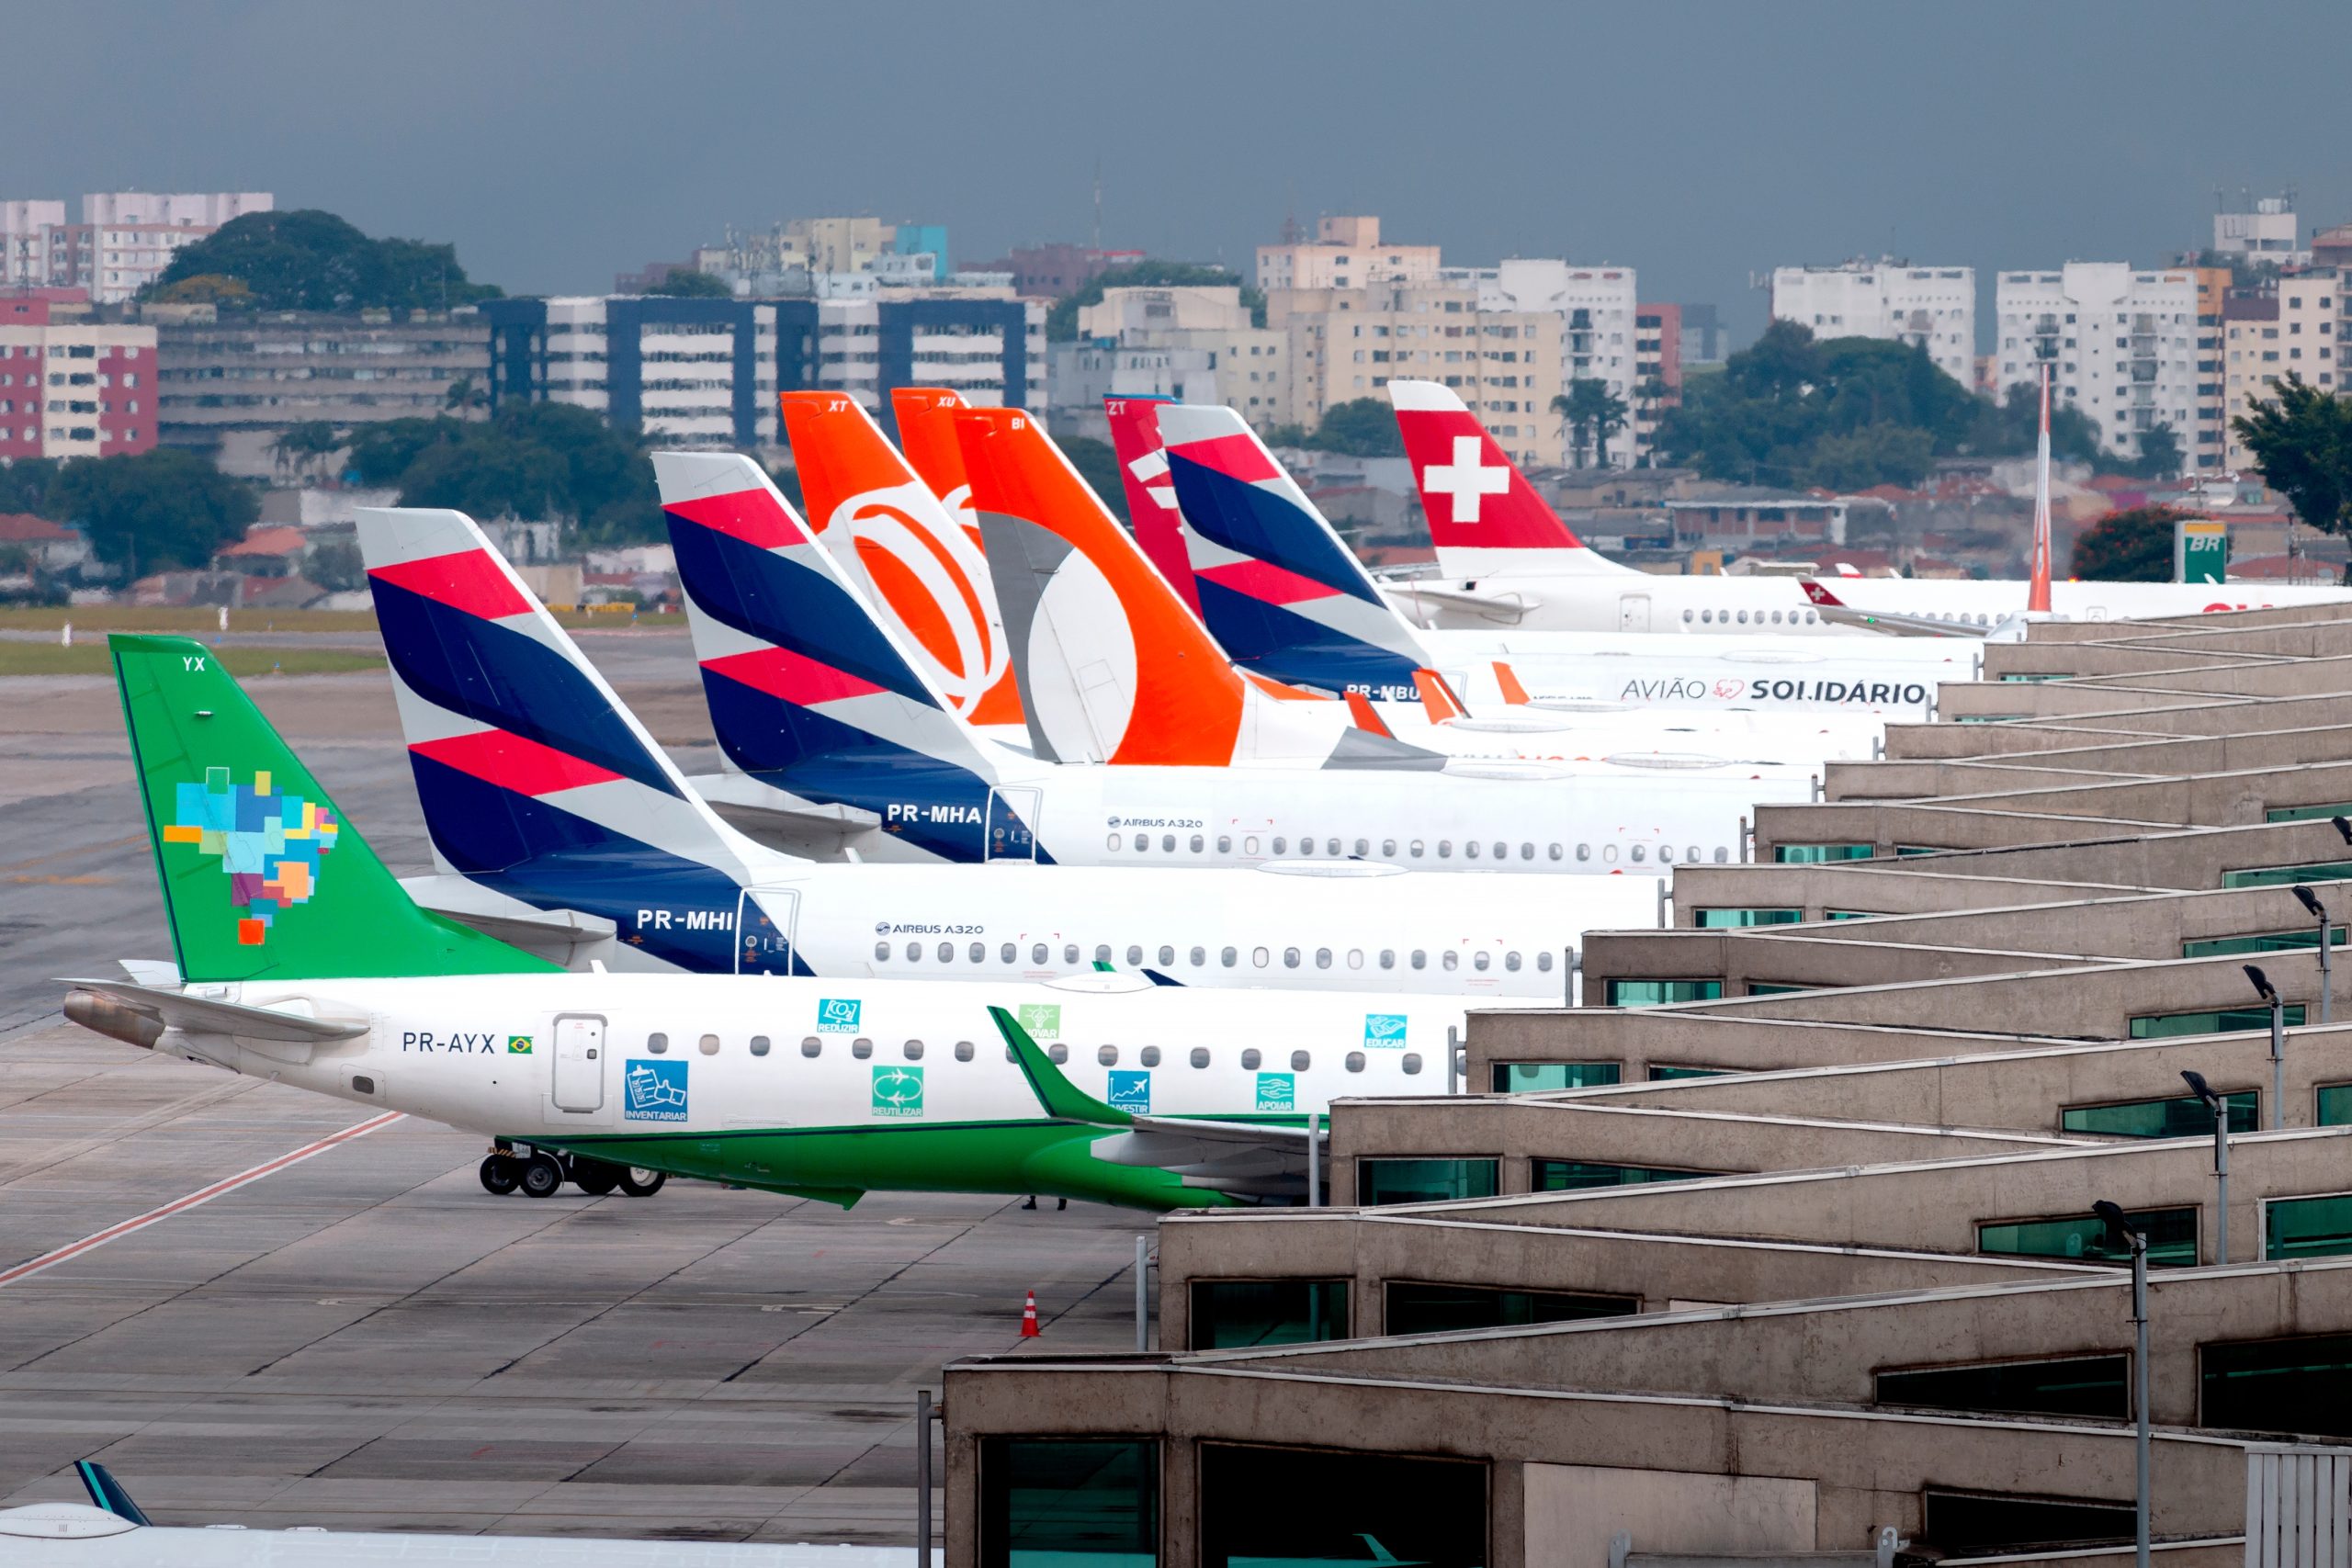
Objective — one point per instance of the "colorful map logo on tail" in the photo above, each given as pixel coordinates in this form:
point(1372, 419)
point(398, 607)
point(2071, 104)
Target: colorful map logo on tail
point(269, 844)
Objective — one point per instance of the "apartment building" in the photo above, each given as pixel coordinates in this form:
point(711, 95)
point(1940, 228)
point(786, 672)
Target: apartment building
point(1199, 340)
point(2292, 330)
point(1657, 369)
point(73, 389)
point(1932, 307)
point(228, 385)
point(2266, 230)
point(1346, 252)
point(705, 372)
point(2121, 343)
point(125, 241)
point(1507, 364)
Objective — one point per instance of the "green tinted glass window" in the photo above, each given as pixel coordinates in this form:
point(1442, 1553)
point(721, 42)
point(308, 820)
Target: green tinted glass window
point(1269, 1508)
point(1852, 914)
point(2287, 875)
point(2308, 813)
point(2334, 1104)
point(2278, 1385)
point(2266, 942)
point(1813, 854)
point(1441, 1309)
point(1049, 1504)
point(1666, 1074)
point(1766, 988)
point(2307, 1227)
point(2077, 1385)
point(1574, 1174)
point(1423, 1180)
point(1659, 993)
point(2219, 1021)
point(1228, 1312)
point(1720, 920)
point(1901, 849)
point(2172, 1238)
point(1527, 1078)
point(2184, 1117)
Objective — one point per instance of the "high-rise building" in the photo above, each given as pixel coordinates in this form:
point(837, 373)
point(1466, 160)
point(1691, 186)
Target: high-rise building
point(1198, 343)
point(2120, 342)
point(73, 389)
point(1597, 307)
point(1657, 369)
point(1346, 252)
point(2268, 229)
point(705, 372)
point(2296, 329)
point(1932, 307)
point(125, 241)
point(2213, 284)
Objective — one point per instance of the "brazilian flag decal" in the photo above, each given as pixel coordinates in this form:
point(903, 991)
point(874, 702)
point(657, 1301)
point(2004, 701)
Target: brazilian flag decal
point(518, 1044)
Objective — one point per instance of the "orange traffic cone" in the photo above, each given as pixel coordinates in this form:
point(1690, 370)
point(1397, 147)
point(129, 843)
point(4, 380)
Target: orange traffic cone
point(1029, 1317)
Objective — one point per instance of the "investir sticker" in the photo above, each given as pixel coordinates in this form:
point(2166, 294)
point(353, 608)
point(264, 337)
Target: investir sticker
point(838, 1015)
point(1277, 1091)
point(1384, 1031)
point(1131, 1092)
point(897, 1091)
point(656, 1092)
point(1042, 1021)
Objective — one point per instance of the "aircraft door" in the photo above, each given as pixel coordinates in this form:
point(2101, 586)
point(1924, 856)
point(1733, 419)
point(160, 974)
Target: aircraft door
point(765, 918)
point(579, 1063)
point(1013, 823)
point(1633, 611)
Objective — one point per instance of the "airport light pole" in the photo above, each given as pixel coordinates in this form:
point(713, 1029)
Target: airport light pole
point(2269, 993)
point(2118, 1222)
point(2326, 959)
point(2221, 1110)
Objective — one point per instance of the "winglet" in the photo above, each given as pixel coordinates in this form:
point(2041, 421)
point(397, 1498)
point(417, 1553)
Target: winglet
point(1437, 696)
point(1063, 1100)
point(107, 1492)
point(1366, 716)
point(1507, 681)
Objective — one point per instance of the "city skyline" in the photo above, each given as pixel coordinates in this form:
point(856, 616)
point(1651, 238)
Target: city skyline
point(1749, 140)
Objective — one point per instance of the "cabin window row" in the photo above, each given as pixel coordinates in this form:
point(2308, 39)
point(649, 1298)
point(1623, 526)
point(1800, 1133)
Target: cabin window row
point(1041, 954)
point(862, 1047)
point(1763, 618)
point(1419, 849)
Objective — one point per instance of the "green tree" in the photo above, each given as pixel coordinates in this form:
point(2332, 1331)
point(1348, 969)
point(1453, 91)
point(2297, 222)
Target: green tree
point(301, 447)
point(310, 260)
point(336, 565)
point(1362, 427)
point(2130, 545)
point(2012, 427)
point(531, 460)
point(2301, 440)
point(1592, 413)
point(463, 397)
point(26, 484)
point(2159, 456)
point(1061, 322)
point(163, 507)
point(684, 283)
point(1098, 465)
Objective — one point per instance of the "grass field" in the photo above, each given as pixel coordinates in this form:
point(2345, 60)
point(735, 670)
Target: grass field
point(90, 659)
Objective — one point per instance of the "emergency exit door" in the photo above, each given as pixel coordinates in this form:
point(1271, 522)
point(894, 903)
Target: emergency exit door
point(579, 1065)
point(1633, 611)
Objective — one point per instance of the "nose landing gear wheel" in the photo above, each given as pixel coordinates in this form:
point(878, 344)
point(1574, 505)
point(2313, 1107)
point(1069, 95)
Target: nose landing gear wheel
point(640, 1183)
point(542, 1177)
point(500, 1174)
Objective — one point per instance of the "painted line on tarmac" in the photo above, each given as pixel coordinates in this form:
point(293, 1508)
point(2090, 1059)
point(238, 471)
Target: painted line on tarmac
point(202, 1195)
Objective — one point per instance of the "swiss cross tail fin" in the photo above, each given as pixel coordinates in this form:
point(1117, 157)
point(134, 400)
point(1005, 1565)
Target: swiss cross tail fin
point(1484, 517)
point(263, 877)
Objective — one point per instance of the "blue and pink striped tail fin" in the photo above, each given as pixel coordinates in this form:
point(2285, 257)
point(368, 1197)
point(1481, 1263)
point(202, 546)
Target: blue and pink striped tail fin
point(1277, 586)
point(536, 781)
point(809, 695)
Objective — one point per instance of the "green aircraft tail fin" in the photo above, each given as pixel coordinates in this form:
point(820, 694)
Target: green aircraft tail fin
point(263, 879)
point(1063, 1099)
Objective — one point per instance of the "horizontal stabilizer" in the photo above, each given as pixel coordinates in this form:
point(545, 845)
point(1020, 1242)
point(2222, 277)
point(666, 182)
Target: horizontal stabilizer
point(202, 1015)
point(1506, 608)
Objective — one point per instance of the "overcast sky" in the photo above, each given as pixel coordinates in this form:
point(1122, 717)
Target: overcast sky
point(557, 141)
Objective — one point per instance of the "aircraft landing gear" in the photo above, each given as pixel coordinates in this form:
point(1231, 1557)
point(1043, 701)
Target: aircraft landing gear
point(594, 1177)
point(500, 1174)
point(542, 1176)
point(640, 1183)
